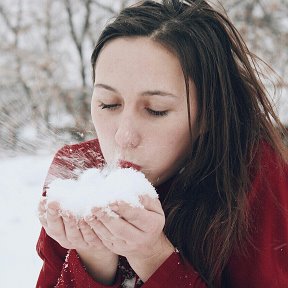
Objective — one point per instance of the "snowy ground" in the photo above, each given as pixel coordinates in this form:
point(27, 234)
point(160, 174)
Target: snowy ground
point(21, 184)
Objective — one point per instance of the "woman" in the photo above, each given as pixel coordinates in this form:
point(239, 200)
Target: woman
point(176, 97)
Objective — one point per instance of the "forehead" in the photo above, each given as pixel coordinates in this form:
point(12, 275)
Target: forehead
point(136, 47)
point(139, 60)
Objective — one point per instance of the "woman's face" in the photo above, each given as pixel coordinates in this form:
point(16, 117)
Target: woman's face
point(139, 107)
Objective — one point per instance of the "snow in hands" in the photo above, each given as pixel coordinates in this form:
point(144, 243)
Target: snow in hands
point(99, 188)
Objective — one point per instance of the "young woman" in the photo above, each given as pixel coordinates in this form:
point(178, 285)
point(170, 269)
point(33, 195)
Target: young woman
point(176, 96)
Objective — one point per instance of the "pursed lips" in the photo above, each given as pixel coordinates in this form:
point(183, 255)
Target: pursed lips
point(127, 164)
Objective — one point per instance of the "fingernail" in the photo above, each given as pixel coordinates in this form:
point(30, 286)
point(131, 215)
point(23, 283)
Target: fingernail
point(52, 211)
point(114, 207)
point(66, 218)
point(99, 214)
point(89, 218)
point(43, 200)
point(95, 210)
point(81, 224)
point(42, 215)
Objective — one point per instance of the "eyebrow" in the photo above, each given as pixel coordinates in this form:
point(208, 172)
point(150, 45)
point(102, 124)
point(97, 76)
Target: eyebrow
point(144, 93)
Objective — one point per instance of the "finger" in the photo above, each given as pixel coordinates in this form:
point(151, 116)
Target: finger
point(42, 212)
point(100, 229)
point(72, 231)
point(55, 225)
point(42, 205)
point(143, 219)
point(117, 246)
point(119, 228)
point(53, 214)
point(43, 219)
point(88, 234)
point(151, 204)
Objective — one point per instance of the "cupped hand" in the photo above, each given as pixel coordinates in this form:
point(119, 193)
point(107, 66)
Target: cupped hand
point(136, 232)
point(69, 232)
point(99, 261)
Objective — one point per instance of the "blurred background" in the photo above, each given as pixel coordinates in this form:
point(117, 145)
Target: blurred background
point(45, 74)
point(45, 92)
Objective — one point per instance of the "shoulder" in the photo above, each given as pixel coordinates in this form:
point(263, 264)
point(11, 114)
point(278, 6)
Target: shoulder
point(268, 195)
point(270, 173)
point(81, 155)
point(268, 157)
point(82, 146)
point(266, 250)
point(74, 158)
point(86, 149)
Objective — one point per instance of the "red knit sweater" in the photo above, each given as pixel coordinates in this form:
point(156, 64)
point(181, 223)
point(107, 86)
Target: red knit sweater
point(265, 263)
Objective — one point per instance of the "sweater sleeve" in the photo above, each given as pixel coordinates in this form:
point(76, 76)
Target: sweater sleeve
point(174, 273)
point(74, 274)
point(53, 256)
point(63, 268)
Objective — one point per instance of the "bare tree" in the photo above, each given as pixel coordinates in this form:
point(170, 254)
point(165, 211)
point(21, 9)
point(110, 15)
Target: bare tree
point(46, 81)
point(79, 41)
point(9, 105)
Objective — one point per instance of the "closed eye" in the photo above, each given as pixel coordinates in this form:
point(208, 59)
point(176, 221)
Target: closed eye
point(109, 106)
point(157, 113)
point(152, 112)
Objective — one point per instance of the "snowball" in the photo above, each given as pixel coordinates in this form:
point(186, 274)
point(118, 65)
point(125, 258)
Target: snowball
point(99, 188)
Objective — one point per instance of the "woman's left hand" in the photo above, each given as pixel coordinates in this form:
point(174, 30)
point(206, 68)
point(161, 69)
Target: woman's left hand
point(136, 234)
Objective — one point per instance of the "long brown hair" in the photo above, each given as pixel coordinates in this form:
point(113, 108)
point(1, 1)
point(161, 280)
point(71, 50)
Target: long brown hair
point(206, 205)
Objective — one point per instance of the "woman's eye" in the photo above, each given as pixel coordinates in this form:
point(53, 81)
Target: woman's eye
point(157, 113)
point(109, 106)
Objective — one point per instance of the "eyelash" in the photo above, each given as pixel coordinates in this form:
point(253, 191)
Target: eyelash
point(157, 113)
point(150, 111)
point(109, 106)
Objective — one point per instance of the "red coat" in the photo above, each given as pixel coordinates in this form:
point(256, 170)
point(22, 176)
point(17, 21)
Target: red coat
point(265, 263)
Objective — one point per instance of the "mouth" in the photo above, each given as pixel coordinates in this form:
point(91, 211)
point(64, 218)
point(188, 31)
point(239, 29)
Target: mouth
point(127, 164)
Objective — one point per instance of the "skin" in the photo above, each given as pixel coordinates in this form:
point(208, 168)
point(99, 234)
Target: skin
point(139, 111)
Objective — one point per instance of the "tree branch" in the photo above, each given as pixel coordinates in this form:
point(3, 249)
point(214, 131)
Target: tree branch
point(6, 20)
point(71, 25)
point(87, 18)
point(105, 7)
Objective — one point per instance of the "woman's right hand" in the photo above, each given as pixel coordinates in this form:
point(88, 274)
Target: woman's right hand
point(64, 229)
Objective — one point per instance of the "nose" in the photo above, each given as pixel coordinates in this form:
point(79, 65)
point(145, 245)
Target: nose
point(127, 135)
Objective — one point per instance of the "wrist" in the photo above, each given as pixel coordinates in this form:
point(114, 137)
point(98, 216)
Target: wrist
point(147, 265)
point(102, 267)
point(97, 254)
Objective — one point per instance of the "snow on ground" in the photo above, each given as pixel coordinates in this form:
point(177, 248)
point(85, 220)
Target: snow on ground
point(21, 180)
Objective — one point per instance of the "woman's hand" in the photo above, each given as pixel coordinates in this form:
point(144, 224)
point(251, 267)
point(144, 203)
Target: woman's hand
point(99, 261)
point(65, 229)
point(136, 234)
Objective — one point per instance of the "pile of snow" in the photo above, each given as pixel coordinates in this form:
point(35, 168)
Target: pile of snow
point(22, 178)
point(99, 188)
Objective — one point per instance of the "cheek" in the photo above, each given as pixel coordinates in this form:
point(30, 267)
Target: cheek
point(172, 153)
point(172, 140)
point(107, 148)
point(94, 114)
point(178, 149)
point(102, 125)
point(105, 134)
